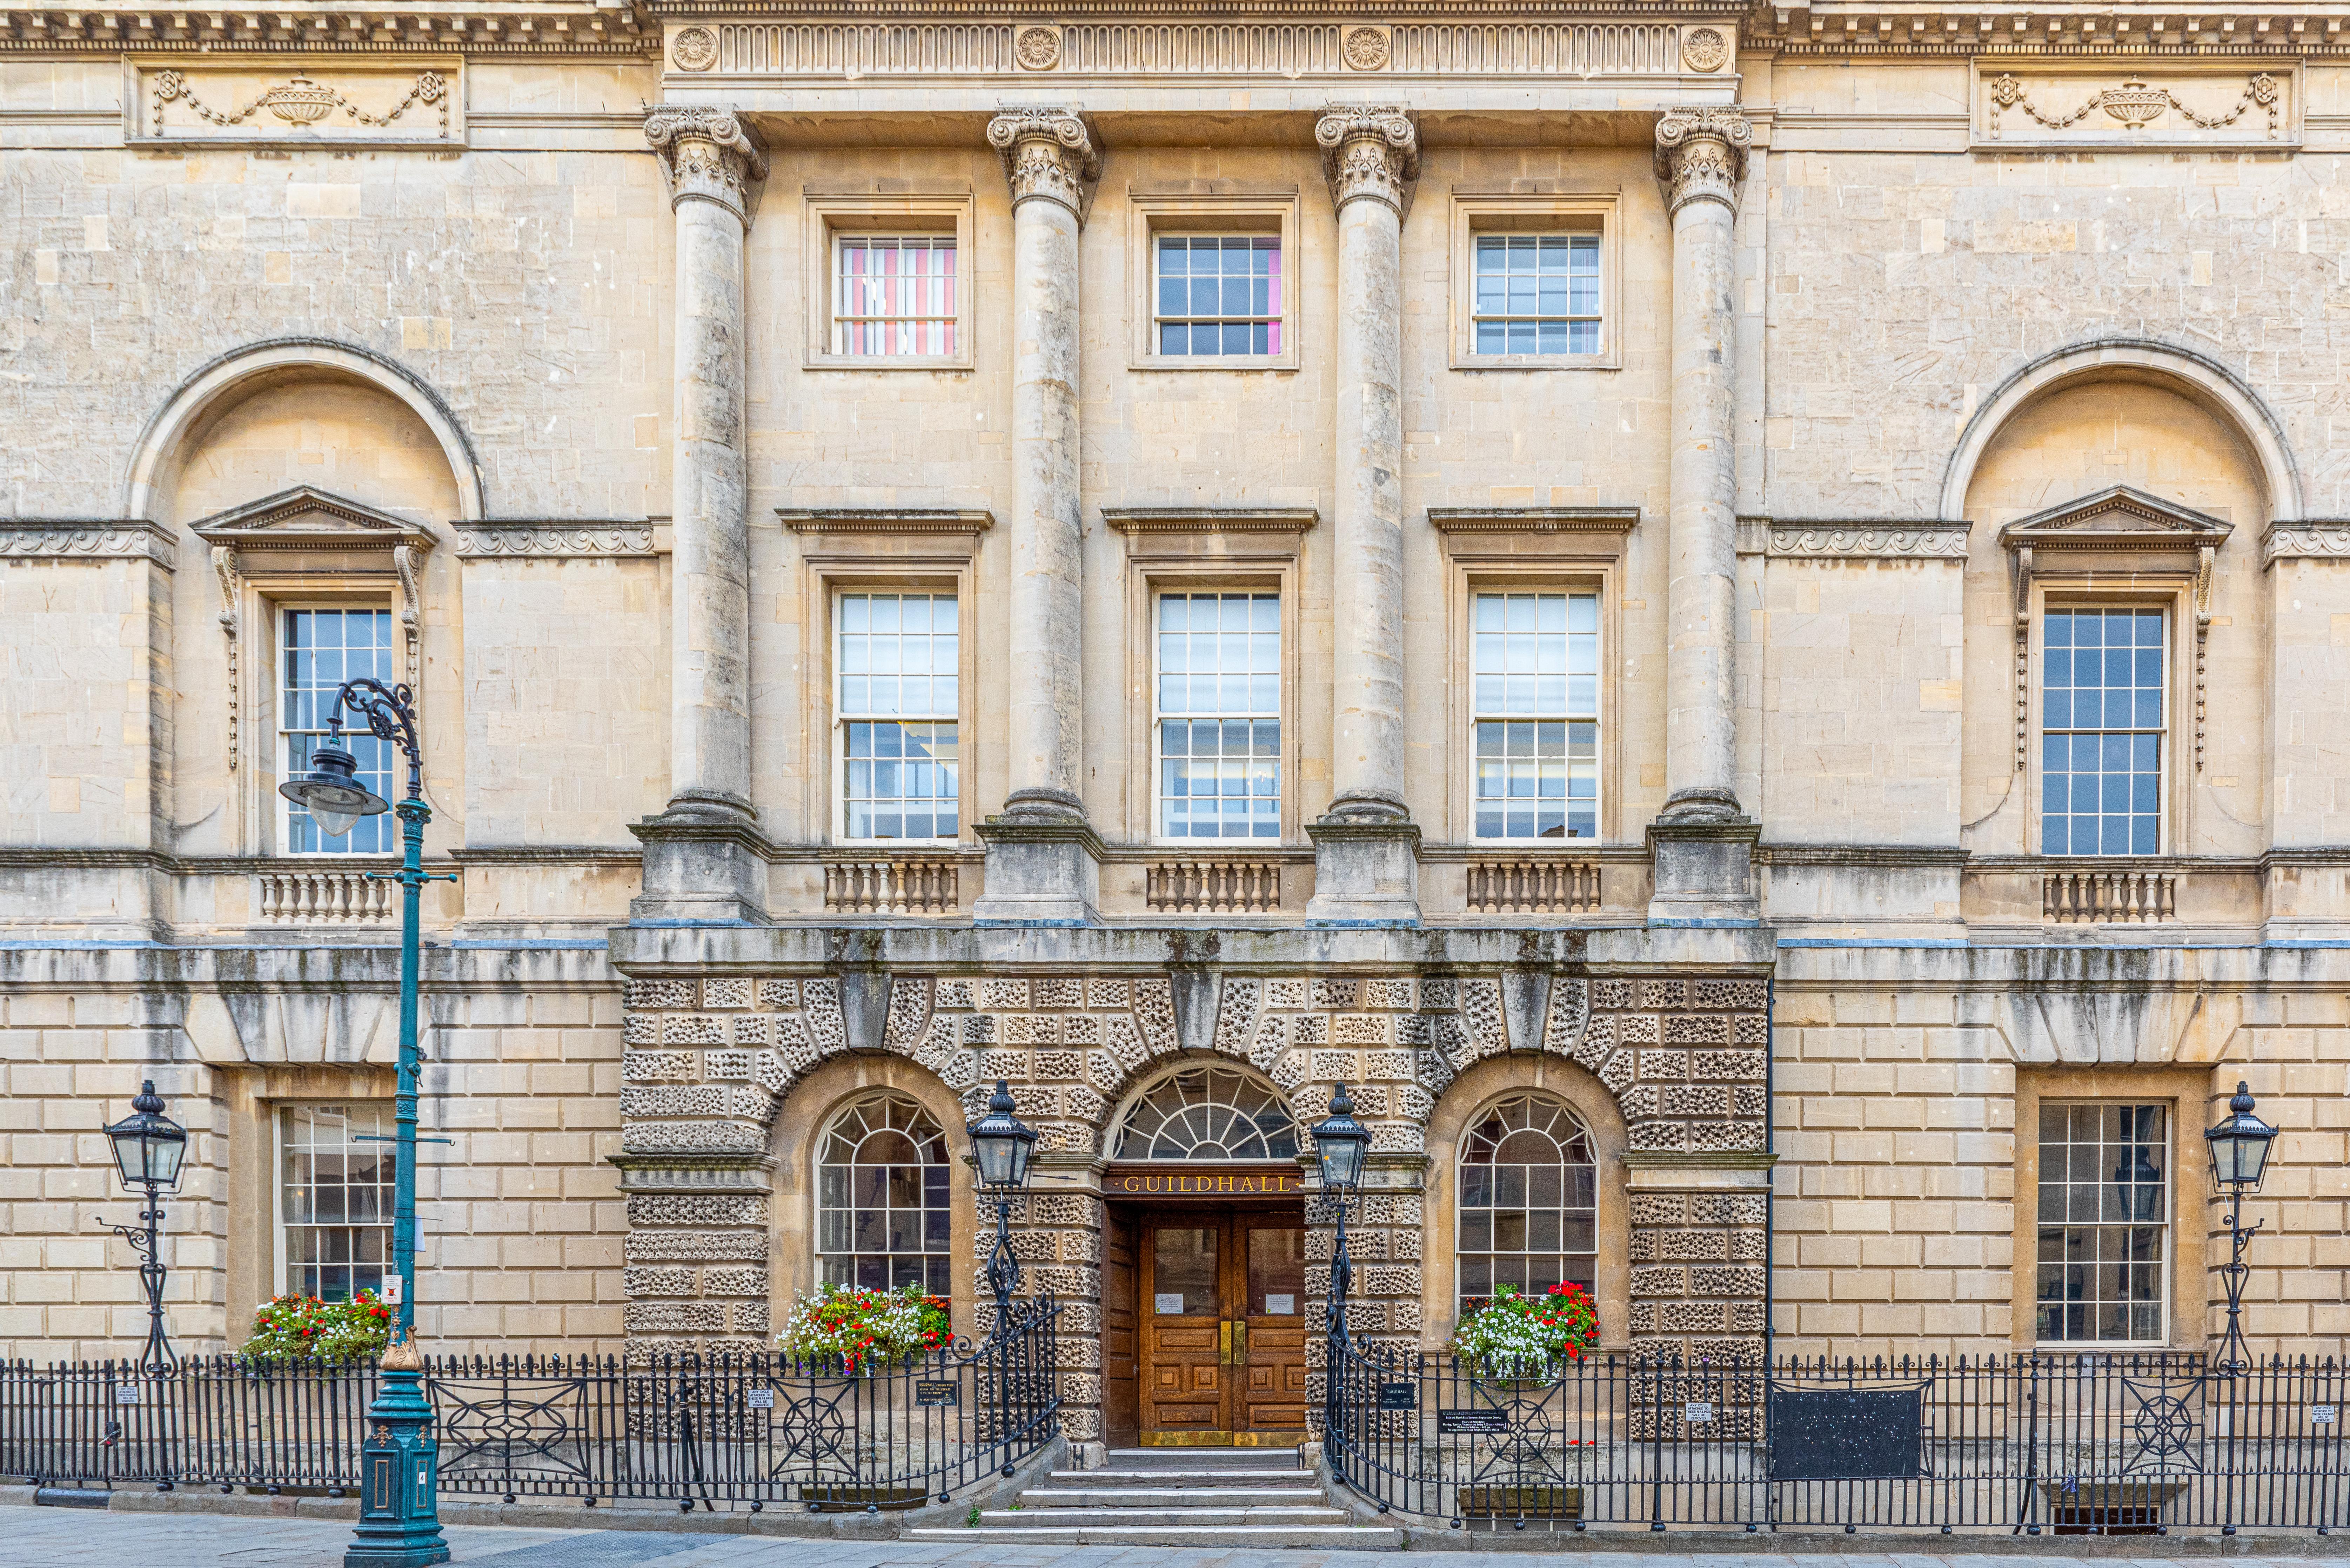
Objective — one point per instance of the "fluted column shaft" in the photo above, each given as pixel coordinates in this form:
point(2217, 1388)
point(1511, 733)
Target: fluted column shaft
point(1700, 156)
point(710, 160)
point(1372, 156)
point(1050, 160)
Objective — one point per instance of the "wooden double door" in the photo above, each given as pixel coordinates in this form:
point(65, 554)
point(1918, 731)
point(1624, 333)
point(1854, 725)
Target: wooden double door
point(1216, 1328)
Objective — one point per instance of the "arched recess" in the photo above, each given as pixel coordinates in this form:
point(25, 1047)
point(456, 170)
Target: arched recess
point(1467, 1098)
point(2195, 376)
point(237, 372)
point(1168, 1070)
point(807, 1111)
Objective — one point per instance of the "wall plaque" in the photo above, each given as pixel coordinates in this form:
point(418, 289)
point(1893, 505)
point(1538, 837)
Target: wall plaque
point(1847, 1434)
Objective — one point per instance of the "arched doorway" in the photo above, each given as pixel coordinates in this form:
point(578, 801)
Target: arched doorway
point(1203, 1277)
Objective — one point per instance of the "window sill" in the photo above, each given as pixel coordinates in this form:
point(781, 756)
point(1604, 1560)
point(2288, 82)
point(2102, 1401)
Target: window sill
point(1536, 361)
point(888, 362)
point(1213, 362)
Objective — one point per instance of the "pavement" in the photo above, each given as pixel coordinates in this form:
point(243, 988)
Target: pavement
point(72, 1538)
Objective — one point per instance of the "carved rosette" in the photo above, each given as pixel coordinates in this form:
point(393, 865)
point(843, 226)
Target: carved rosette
point(1701, 155)
point(1369, 154)
point(1048, 154)
point(707, 153)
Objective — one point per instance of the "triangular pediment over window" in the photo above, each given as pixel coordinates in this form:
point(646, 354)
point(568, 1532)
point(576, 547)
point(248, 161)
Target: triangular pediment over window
point(308, 518)
point(2119, 518)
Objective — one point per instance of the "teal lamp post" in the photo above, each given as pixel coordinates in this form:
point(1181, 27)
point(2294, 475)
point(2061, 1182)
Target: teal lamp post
point(400, 1523)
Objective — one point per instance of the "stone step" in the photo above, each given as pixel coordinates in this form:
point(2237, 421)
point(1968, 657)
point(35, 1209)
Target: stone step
point(1183, 1457)
point(1187, 1479)
point(1339, 1537)
point(1172, 1497)
point(1077, 1517)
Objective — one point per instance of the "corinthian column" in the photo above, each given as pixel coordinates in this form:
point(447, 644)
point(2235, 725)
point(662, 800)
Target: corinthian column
point(1042, 860)
point(1702, 841)
point(1366, 849)
point(703, 855)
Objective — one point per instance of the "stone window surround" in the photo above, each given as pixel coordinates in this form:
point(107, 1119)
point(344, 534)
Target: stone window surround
point(1475, 211)
point(250, 1095)
point(813, 1102)
point(831, 215)
point(280, 1268)
point(2172, 592)
point(2190, 1096)
point(1153, 212)
point(1528, 550)
point(878, 551)
point(1177, 549)
point(1479, 1088)
point(271, 554)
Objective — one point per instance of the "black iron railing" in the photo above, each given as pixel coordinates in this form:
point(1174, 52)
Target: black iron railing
point(685, 1429)
point(2071, 1444)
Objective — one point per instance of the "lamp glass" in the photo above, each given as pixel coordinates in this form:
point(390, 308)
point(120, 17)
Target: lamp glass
point(2240, 1144)
point(1001, 1143)
point(1340, 1142)
point(148, 1145)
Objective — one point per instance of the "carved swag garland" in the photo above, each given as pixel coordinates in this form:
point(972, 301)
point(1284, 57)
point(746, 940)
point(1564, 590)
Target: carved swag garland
point(2136, 105)
point(301, 101)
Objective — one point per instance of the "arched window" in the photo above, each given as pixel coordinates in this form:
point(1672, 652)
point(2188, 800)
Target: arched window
point(1208, 1113)
point(1529, 1203)
point(883, 1214)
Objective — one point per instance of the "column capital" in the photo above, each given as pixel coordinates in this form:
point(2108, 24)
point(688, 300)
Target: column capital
point(1368, 153)
point(707, 153)
point(1701, 155)
point(1048, 154)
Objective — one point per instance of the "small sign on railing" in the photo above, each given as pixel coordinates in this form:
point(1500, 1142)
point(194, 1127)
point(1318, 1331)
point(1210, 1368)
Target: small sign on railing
point(760, 1398)
point(2325, 1415)
point(1472, 1423)
point(126, 1394)
point(938, 1395)
point(1398, 1397)
point(1697, 1411)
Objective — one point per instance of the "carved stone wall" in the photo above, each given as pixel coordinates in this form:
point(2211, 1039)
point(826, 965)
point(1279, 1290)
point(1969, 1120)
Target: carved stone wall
point(710, 1062)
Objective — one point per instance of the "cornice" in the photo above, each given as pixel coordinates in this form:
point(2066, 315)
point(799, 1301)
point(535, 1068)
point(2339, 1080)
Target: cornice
point(1144, 521)
point(1535, 520)
point(316, 28)
point(87, 539)
point(891, 520)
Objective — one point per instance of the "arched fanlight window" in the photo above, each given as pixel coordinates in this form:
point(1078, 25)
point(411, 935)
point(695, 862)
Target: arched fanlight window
point(1208, 1113)
point(883, 1213)
point(1528, 1204)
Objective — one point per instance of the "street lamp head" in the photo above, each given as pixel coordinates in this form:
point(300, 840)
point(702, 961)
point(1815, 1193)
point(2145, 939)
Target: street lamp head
point(331, 792)
point(148, 1145)
point(1001, 1143)
point(2240, 1144)
point(1340, 1142)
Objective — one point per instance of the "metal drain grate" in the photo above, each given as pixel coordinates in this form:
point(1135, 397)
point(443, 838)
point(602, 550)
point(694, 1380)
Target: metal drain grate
point(604, 1549)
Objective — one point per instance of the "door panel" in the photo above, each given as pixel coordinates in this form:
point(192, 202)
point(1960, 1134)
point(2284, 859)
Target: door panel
point(1221, 1314)
point(1121, 1333)
point(1273, 1400)
point(1184, 1387)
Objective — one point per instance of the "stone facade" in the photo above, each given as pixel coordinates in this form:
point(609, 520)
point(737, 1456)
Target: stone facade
point(1910, 328)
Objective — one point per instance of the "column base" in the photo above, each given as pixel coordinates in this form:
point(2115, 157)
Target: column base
point(1366, 871)
point(705, 861)
point(1704, 871)
point(1044, 864)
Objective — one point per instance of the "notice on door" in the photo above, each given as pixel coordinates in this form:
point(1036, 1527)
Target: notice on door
point(1280, 1306)
point(1168, 1304)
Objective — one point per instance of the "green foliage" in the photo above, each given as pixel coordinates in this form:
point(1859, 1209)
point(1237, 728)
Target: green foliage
point(304, 1328)
point(1519, 1335)
point(866, 1328)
